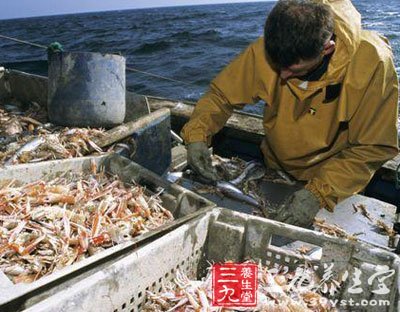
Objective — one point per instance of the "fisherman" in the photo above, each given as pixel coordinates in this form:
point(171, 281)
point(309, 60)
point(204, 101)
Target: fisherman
point(330, 91)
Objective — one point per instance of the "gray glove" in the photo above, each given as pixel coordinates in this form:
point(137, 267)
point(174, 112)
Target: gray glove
point(300, 209)
point(199, 158)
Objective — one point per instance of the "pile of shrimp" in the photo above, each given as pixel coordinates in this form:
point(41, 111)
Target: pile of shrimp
point(48, 225)
point(26, 136)
point(275, 293)
point(50, 145)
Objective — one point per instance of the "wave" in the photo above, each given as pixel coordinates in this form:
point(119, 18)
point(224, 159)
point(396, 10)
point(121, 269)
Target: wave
point(153, 47)
point(192, 43)
point(208, 35)
point(181, 17)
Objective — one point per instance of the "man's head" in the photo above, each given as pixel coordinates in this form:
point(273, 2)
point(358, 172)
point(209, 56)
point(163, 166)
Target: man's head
point(298, 35)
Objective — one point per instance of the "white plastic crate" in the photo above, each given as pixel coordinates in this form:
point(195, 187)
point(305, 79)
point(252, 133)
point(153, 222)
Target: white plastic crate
point(218, 235)
point(183, 204)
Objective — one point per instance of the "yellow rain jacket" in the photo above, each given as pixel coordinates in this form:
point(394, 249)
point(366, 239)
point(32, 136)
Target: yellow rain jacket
point(334, 132)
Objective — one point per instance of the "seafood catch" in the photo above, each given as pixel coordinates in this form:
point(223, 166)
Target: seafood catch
point(63, 144)
point(254, 170)
point(26, 148)
point(16, 119)
point(45, 226)
point(238, 180)
point(230, 190)
point(277, 291)
point(332, 229)
point(26, 136)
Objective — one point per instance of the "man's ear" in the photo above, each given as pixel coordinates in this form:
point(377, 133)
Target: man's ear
point(329, 47)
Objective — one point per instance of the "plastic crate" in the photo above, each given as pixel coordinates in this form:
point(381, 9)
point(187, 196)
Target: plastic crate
point(219, 235)
point(183, 204)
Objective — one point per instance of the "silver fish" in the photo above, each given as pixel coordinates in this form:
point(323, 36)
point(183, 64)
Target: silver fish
point(173, 177)
point(226, 188)
point(286, 179)
point(28, 147)
point(253, 171)
point(230, 190)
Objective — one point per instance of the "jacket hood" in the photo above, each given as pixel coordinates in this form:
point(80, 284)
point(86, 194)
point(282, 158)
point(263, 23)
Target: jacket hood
point(348, 33)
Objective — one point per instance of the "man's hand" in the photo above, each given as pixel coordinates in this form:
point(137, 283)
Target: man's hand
point(199, 158)
point(299, 209)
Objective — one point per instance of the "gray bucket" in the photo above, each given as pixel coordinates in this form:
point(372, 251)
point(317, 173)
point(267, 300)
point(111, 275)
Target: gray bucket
point(86, 89)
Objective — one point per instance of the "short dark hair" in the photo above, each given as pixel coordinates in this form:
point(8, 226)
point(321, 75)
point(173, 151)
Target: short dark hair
point(297, 30)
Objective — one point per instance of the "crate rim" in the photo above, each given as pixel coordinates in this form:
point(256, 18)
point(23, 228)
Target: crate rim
point(10, 293)
point(207, 217)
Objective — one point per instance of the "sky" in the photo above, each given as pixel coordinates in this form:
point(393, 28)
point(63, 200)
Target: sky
point(25, 8)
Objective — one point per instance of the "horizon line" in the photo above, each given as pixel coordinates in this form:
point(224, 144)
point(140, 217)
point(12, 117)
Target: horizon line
point(131, 9)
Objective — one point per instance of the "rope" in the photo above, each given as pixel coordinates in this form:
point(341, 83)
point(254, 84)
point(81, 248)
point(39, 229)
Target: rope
point(131, 69)
point(24, 42)
point(157, 76)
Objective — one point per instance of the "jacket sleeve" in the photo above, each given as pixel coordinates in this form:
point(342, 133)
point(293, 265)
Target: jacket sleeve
point(233, 87)
point(372, 141)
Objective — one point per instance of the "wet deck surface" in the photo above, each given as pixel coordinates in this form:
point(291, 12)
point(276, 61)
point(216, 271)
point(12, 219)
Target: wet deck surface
point(355, 223)
point(344, 216)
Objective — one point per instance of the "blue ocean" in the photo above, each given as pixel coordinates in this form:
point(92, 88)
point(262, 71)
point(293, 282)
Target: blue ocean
point(188, 43)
